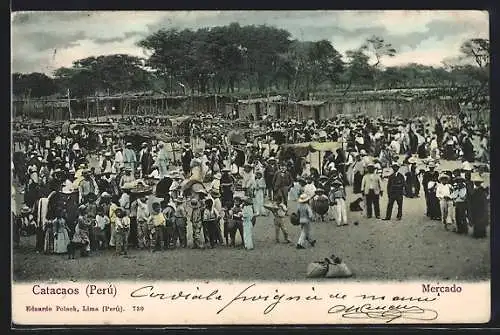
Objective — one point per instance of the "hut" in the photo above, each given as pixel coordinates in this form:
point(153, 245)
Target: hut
point(312, 109)
point(256, 109)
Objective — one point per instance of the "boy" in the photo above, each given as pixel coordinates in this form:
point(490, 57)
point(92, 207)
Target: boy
point(339, 196)
point(122, 226)
point(156, 223)
point(180, 217)
point(101, 223)
point(280, 215)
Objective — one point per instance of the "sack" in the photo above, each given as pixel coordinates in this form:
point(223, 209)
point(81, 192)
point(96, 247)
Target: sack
point(338, 271)
point(294, 219)
point(317, 269)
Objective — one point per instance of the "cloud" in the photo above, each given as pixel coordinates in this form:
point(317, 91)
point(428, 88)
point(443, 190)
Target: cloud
point(416, 35)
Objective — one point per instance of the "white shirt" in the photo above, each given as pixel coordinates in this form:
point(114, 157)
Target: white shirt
point(443, 190)
point(125, 201)
point(310, 190)
point(101, 221)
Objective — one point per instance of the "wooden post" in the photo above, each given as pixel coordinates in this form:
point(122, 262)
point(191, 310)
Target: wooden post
point(97, 106)
point(69, 105)
point(87, 112)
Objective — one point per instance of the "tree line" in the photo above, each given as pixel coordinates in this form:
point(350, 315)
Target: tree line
point(239, 59)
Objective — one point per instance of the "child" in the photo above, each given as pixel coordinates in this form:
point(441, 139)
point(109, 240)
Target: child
point(210, 219)
point(122, 226)
point(156, 224)
point(142, 223)
point(101, 222)
point(180, 215)
point(236, 216)
point(82, 228)
point(339, 196)
point(280, 214)
point(196, 221)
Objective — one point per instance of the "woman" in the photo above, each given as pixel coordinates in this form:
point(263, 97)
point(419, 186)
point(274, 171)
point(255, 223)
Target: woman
point(61, 234)
point(259, 191)
point(306, 216)
point(248, 216)
point(82, 230)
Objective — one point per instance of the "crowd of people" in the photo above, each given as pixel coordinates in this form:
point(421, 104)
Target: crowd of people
point(138, 197)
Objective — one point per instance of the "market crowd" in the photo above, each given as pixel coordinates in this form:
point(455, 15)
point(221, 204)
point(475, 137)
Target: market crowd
point(126, 196)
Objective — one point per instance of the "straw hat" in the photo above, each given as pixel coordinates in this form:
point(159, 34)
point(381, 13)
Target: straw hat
point(432, 164)
point(477, 179)
point(412, 160)
point(107, 154)
point(303, 198)
point(128, 144)
point(217, 175)
point(179, 200)
point(362, 152)
point(105, 195)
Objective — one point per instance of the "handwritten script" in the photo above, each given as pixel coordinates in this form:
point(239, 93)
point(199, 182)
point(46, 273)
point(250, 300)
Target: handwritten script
point(365, 306)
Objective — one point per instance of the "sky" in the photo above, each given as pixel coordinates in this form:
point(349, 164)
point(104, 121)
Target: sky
point(45, 41)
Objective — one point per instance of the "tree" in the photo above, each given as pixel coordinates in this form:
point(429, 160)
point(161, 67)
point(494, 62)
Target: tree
point(33, 84)
point(477, 50)
point(116, 73)
point(358, 69)
point(377, 47)
point(325, 63)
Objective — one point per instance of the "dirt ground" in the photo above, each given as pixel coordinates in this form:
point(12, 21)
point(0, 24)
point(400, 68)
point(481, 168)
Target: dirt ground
point(412, 248)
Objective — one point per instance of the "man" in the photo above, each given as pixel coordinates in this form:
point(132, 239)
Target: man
point(371, 188)
point(282, 183)
point(146, 162)
point(129, 158)
point(227, 188)
point(162, 160)
point(127, 178)
point(118, 163)
point(86, 186)
point(395, 190)
point(430, 175)
point(248, 180)
point(459, 196)
point(269, 173)
point(186, 158)
point(107, 164)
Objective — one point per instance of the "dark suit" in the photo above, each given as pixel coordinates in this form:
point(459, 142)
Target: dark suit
point(395, 190)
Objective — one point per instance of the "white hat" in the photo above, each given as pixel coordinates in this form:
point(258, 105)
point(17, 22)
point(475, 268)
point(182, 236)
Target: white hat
point(303, 198)
point(477, 179)
point(76, 146)
point(217, 175)
point(362, 152)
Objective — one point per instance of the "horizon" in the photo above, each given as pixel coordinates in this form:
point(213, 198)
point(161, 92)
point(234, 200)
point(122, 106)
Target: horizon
point(44, 41)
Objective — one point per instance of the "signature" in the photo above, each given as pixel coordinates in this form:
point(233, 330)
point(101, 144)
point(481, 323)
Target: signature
point(388, 313)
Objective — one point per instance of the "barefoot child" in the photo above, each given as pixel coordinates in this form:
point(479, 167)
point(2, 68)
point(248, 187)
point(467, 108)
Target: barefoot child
point(280, 217)
point(122, 226)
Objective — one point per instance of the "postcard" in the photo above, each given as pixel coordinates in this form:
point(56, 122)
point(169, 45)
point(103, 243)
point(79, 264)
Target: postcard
point(183, 168)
